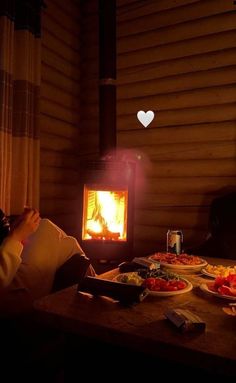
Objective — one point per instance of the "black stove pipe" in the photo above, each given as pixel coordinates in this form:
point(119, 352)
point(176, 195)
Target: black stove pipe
point(107, 76)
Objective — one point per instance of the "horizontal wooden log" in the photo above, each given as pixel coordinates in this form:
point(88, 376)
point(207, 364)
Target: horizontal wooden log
point(172, 16)
point(52, 125)
point(171, 84)
point(150, 70)
point(58, 175)
point(179, 83)
point(183, 218)
point(55, 60)
point(127, 115)
point(59, 159)
point(70, 7)
point(58, 191)
point(188, 151)
point(191, 64)
point(69, 53)
point(59, 111)
point(196, 168)
point(178, 32)
point(217, 131)
point(154, 200)
point(215, 95)
point(53, 205)
point(197, 46)
point(69, 21)
point(56, 143)
point(176, 87)
point(190, 185)
point(133, 8)
point(145, 247)
point(71, 38)
point(61, 97)
point(185, 116)
point(60, 80)
point(146, 232)
point(178, 217)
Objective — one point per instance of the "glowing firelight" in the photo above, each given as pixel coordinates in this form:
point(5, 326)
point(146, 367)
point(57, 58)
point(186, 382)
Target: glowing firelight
point(105, 215)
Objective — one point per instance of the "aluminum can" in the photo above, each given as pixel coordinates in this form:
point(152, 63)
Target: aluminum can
point(174, 241)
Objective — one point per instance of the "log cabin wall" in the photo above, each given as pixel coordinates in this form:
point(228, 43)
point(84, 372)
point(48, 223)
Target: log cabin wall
point(177, 58)
point(60, 92)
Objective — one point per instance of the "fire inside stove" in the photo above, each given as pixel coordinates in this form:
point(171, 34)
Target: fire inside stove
point(105, 214)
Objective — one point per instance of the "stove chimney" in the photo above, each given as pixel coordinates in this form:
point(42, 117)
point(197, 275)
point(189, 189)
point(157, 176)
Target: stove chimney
point(107, 76)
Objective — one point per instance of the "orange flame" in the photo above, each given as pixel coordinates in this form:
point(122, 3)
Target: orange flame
point(105, 214)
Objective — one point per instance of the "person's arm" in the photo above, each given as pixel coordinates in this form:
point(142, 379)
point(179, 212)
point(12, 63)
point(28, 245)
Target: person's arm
point(11, 248)
point(10, 259)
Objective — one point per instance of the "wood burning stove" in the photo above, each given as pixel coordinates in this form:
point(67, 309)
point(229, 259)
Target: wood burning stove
point(107, 209)
point(107, 185)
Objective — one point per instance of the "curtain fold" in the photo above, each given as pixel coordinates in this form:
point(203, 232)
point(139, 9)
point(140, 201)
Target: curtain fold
point(20, 63)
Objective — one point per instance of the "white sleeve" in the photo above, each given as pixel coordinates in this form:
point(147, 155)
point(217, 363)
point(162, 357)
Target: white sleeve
point(10, 259)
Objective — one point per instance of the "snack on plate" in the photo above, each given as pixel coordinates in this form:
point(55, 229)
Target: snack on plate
point(131, 278)
point(154, 280)
point(224, 285)
point(219, 270)
point(173, 259)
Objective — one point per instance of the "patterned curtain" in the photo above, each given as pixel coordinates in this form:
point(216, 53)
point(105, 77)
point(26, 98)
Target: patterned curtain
point(20, 62)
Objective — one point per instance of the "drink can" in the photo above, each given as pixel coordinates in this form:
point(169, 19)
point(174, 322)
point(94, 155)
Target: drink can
point(174, 241)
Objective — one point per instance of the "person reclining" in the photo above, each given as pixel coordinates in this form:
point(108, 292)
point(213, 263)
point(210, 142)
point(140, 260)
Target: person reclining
point(30, 254)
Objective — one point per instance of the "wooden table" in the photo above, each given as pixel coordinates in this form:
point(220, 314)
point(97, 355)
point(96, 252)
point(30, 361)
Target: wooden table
point(143, 327)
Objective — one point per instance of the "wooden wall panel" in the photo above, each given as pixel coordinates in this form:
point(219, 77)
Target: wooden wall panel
point(177, 58)
point(60, 111)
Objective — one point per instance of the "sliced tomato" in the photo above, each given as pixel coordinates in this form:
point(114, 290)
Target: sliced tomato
point(219, 281)
point(181, 285)
point(225, 290)
point(150, 283)
point(231, 278)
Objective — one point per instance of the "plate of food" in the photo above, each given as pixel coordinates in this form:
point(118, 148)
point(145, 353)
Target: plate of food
point(222, 287)
point(157, 282)
point(214, 271)
point(182, 261)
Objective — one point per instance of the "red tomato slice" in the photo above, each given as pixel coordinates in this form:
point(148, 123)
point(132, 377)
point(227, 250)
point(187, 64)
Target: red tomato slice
point(181, 285)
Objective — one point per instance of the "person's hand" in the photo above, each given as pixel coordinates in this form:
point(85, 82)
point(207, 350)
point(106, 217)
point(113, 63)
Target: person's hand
point(25, 225)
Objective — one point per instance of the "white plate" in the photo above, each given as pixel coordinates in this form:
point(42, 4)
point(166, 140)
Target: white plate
point(182, 267)
point(162, 293)
point(118, 278)
point(204, 271)
point(204, 287)
point(170, 293)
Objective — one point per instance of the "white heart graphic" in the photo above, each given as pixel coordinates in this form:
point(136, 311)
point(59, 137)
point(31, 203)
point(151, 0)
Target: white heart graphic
point(145, 117)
